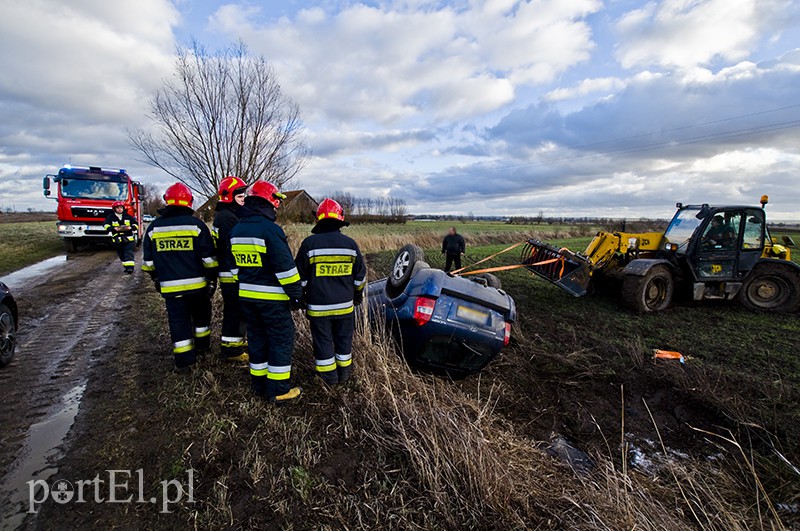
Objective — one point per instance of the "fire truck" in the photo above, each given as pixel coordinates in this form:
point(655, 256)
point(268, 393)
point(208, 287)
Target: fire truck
point(84, 198)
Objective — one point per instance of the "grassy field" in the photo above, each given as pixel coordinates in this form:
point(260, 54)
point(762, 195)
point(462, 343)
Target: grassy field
point(26, 243)
point(708, 445)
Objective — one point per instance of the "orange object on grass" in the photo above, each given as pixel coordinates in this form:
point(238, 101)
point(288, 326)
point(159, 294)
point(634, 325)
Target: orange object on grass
point(668, 355)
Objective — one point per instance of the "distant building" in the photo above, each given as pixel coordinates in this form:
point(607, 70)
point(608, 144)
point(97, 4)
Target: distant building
point(298, 207)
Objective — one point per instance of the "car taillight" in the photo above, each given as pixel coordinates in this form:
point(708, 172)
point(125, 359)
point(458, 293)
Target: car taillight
point(507, 336)
point(423, 310)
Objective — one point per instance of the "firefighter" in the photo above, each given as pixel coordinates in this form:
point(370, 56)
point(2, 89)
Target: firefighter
point(333, 275)
point(232, 192)
point(123, 229)
point(269, 289)
point(179, 256)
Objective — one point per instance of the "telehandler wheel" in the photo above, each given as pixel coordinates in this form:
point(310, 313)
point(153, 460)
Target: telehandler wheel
point(771, 287)
point(649, 293)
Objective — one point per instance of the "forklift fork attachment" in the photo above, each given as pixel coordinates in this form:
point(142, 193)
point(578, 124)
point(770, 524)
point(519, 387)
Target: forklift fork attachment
point(567, 270)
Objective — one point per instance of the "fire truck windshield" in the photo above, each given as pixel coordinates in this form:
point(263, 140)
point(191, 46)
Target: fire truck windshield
point(86, 189)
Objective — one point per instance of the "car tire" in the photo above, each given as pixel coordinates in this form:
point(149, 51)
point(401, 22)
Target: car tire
point(771, 287)
point(403, 266)
point(491, 280)
point(8, 335)
point(649, 293)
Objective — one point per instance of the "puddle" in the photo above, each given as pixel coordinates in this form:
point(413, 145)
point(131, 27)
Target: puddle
point(18, 278)
point(37, 460)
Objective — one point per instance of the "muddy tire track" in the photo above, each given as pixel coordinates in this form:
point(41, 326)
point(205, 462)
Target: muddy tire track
point(68, 319)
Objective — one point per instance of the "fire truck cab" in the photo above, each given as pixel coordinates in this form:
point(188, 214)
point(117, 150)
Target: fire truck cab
point(84, 198)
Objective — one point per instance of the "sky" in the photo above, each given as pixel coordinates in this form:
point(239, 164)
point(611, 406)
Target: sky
point(614, 108)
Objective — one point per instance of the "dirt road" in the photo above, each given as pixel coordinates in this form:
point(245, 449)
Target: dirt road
point(69, 316)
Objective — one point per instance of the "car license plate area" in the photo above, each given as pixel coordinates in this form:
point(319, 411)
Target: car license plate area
point(472, 316)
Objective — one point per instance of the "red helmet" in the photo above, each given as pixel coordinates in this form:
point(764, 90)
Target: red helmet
point(179, 194)
point(228, 187)
point(267, 190)
point(115, 204)
point(330, 209)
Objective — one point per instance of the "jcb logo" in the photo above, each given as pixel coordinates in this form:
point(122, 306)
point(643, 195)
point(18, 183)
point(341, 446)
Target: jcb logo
point(247, 259)
point(334, 270)
point(174, 244)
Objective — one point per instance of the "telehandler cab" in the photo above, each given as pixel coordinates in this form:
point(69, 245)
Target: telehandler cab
point(707, 252)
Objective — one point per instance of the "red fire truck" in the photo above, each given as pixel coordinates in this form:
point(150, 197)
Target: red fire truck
point(84, 200)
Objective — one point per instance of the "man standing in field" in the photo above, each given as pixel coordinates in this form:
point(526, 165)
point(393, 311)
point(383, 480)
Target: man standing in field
point(123, 229)
point(333, 274)
point(453, 246)
point(232, 191)
point(269, 288)
point(179, 256)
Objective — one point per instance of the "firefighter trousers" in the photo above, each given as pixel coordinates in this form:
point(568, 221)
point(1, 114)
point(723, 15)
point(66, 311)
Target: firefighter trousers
point(189, 319)
point(333, 345)
point(233, 326)
point(125, 250)
point(270, 343)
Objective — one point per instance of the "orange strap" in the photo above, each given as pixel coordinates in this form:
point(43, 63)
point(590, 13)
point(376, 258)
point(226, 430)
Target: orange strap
point(509, 267)
point(457, 271)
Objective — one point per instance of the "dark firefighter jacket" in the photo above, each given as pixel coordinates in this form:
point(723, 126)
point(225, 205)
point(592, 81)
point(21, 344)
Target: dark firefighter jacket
point(332, 270)
point(179, 252)
point(266, 270)
point(113, 221)
point(453, 244)
point(225, 220)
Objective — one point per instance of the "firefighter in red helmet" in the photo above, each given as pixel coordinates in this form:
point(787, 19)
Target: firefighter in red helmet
point(123, 229)
point(231, 192)
point(333, 275)
point(179, 256)
point(269, 288)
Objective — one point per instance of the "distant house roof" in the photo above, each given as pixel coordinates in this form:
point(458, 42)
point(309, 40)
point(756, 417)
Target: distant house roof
point(294, 194)
point(294, 199)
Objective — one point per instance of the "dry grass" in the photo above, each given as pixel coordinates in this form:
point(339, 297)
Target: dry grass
point(390, 240)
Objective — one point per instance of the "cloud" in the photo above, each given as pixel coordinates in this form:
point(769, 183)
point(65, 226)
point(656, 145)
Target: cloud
point(721, 137)
point(73, 77)
point(689, 33)
point(406, 60)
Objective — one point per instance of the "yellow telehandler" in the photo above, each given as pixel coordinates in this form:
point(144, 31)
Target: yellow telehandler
point(707, 252)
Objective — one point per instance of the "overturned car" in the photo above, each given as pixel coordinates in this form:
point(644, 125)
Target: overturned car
point(442, 323)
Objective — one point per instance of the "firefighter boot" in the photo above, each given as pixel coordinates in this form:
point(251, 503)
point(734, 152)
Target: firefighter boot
point(293, 394)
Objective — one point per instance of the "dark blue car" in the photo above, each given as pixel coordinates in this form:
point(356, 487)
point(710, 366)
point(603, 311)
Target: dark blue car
point(442, 323)
point(8, 325)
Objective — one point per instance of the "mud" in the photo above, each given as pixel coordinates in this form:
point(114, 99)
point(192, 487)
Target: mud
point(68, 319)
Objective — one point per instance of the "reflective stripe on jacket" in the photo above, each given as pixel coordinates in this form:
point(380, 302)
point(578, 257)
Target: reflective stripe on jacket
point(332, 269)
point(264, 265)
point(112, 221)
point(225, 219)
point(179, 252)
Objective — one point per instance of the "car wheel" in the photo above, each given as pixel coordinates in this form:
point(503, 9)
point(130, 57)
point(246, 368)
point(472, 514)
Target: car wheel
point(771, 287)
point(8, 335)
point(403, 266)
point(491, 280)
point(649, 293)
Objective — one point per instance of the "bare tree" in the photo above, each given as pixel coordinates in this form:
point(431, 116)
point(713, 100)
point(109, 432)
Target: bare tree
point(223, 114)
point(150, 198)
